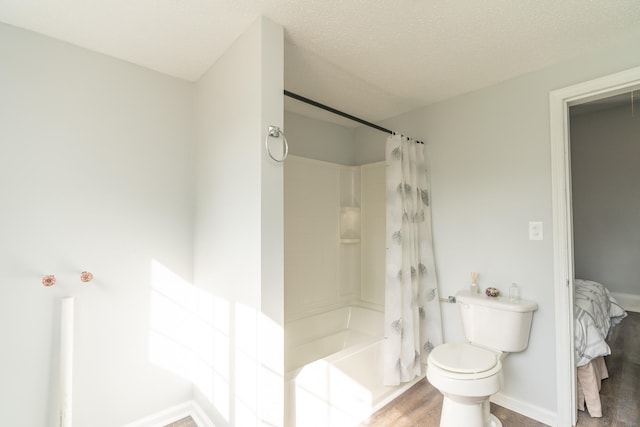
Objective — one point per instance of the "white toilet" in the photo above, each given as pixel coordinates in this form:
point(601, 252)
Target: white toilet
point(467, 374)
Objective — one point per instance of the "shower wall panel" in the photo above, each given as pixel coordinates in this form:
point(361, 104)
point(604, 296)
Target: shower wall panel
point(323, 271)
point(312, 246)
point(374, 202)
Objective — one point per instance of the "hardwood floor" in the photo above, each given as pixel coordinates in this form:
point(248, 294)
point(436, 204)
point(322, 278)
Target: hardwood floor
point(619, 393)
point(185, 422)
point(420, 406)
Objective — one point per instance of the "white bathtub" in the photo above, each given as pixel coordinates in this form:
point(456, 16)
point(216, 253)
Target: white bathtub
point(333, 364)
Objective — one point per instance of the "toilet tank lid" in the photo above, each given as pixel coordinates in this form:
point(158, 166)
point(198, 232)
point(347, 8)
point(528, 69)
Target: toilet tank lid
point(500, 303)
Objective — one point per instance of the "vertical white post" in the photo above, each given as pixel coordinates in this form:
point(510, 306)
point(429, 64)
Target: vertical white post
point(66, 361)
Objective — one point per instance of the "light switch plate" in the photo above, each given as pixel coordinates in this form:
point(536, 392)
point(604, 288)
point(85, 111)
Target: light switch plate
point(535, 230)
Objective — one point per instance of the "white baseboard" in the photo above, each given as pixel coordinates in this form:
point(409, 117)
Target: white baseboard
point(198, 415)
point(630, 302)
point(173, 414)
point(539, 414)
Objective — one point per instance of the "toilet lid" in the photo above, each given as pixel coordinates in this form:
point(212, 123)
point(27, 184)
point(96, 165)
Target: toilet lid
point(463, 358)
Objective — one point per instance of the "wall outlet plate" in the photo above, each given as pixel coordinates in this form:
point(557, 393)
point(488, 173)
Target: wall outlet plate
point(535, 230)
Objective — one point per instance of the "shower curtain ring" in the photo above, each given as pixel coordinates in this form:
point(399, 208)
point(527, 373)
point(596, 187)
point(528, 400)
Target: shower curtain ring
point(275, 132)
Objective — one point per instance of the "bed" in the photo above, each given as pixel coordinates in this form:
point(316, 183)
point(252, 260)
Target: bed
point(596, 313)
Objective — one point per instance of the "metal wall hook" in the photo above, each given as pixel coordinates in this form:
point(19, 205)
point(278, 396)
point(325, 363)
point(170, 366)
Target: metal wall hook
point(275, 132)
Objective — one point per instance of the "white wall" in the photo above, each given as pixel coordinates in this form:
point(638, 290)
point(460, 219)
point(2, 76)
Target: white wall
point(319, 140)
point(605, 154)
point(491, 174)
point(95, 175)
point(238, 244)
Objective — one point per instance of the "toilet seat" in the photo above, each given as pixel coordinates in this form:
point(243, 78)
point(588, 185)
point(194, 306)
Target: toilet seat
point(465, 361)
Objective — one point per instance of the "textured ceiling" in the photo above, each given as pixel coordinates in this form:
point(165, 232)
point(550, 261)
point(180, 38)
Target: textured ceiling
point(372, 58)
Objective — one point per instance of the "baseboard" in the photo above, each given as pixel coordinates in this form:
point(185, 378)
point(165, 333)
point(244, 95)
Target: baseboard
point(630, 302)
point(199, 416)
point(173, 414)
point(539, 414)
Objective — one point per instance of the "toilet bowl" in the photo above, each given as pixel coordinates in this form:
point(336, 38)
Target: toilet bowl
point(467, 376)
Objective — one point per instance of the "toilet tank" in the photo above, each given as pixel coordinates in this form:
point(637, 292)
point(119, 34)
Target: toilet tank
point(495, 322)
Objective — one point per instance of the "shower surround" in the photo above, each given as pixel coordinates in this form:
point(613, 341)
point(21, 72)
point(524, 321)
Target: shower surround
point(334, 292)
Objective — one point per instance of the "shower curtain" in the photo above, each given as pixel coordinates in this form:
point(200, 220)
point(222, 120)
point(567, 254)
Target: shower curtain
point(413, 326)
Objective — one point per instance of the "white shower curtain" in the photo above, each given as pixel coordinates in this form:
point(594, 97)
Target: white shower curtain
point(413, 326)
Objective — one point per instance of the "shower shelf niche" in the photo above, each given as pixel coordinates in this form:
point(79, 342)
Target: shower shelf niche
point(350, 224)
point(350, 205)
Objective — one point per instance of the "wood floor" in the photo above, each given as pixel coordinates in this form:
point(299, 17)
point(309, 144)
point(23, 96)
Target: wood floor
point(185, 422)
point(620, 393)
point(420, 406)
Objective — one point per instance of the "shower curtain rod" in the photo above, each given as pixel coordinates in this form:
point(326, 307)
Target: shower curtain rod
point(339, 113)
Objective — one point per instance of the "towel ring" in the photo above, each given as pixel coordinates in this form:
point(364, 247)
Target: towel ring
point(275, 132)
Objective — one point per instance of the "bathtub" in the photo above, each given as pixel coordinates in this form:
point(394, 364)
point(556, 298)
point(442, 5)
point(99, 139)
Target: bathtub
point(333, 364)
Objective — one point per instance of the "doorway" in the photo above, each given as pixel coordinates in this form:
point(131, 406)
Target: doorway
point(560, 100)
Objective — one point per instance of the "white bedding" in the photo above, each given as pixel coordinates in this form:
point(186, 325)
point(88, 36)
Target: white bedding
point(596, 312)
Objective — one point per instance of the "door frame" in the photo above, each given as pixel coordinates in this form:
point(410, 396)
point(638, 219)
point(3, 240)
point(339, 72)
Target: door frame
point(559, 102)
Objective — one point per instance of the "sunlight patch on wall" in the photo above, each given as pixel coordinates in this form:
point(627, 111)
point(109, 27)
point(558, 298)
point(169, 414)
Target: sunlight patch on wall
point(172, 335)
point(189, 335)
point(327, 396)
point(259, 368)
point(272, 372)
point(232, 353)
point(246, 357)
point(213, 375)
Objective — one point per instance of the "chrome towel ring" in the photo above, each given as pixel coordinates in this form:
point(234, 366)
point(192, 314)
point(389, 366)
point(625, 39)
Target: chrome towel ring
point(275, 132)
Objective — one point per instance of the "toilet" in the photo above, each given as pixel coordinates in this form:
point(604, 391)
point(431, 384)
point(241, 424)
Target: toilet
point(467, 374)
